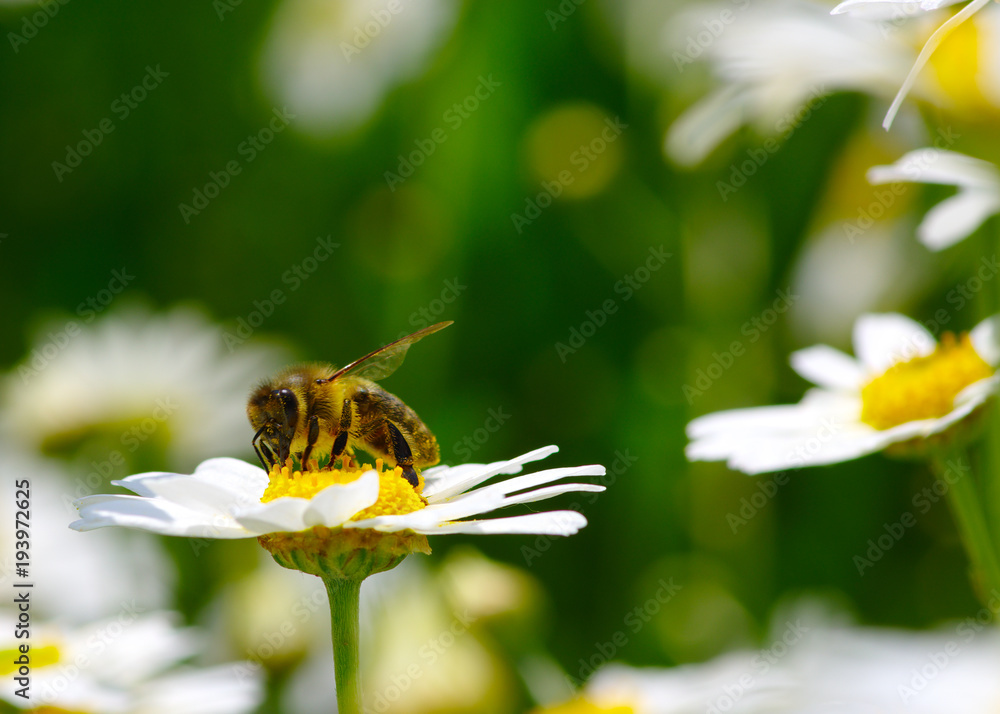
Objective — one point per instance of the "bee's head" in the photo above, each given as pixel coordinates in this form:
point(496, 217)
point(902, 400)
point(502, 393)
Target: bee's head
point(273, 411)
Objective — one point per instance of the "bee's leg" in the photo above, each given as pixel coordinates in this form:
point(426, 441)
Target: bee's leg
point(311, 436)
point(260, 456)
point(261, 450)
point(340, 443)
point(402, 453)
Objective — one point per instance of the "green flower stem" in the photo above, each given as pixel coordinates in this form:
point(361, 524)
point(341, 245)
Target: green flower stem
point(966, 505)
point(344, 603)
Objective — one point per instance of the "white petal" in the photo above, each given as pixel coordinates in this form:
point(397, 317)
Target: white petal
point(704, 126)
point(335, 504)
point(187, 491)
point(229, 474)
point(881, 340)
point(957, 217)
point(929, 165)
point(541, 494)
point(155, 515)
point(494, 496)
point(858, 7)
point(554, 523)
point(282, 515)
point(985, 338)
point(816, 405)
point(936, 38)
point(827, 367)
point(463, 477)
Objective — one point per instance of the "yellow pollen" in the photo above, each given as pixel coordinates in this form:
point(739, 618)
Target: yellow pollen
point(395, 494)
point(923, 387)
point(584, 706)
point(39, 656)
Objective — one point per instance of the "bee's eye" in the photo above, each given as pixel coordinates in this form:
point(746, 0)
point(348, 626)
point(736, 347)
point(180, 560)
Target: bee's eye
point(290, 405)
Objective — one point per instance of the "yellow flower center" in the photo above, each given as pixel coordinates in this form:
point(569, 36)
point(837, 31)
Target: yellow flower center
point(923, 387)
point(341, 553)
point(39, 657)
point(584, 706)
point(958, 70)
point(395, 494)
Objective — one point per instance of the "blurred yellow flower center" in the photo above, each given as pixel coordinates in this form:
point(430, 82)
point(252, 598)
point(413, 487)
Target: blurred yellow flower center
point(584, 706)
point(395, 494)
point(956, 66)
point(923, 387)
point(40, 656)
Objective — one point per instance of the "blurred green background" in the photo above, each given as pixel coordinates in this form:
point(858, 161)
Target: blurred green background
point(447, 244)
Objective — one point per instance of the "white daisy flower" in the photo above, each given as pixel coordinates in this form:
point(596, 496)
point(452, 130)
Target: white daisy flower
point(334, 63)
point(932, 42)
point(138, 376)
point(229, 498)
point(955, 218)
point(902, 389)
point(775, 63)
point(123, 665)
point(340, 524)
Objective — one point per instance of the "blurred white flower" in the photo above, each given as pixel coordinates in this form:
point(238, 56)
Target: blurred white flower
point(902, 389)
point(334, 61)
point(75, 579)
point(123, 665)
point(144, 376)
point(825, 668)
point(957, 217)
point(735, 683)
point(781, 56)
point(932, 43)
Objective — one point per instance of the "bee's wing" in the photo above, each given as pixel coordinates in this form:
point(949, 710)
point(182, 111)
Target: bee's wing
point(385, 360)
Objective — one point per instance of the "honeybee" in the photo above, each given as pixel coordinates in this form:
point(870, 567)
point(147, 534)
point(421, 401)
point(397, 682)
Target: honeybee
point(311, 409)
